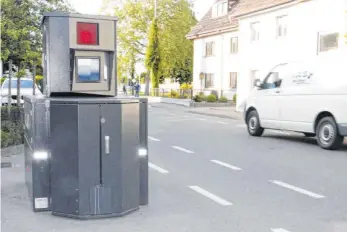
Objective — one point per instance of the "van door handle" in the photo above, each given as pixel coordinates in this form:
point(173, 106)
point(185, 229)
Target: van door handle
point(107, 145)
point(278, 91)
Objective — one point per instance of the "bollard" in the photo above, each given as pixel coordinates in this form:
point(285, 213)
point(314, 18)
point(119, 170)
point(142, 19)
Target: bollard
point(144, 145)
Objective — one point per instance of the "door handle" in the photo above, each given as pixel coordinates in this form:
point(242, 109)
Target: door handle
point(278, 91)
point(107, 145)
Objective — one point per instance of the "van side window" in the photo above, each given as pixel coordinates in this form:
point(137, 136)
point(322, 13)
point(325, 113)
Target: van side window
point(272, 81)
point(274, 78)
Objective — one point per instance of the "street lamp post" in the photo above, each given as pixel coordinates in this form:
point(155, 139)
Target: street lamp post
point(202, 76)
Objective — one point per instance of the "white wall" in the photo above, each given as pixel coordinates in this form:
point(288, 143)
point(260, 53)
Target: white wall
point(305, 20)
point(221, 64)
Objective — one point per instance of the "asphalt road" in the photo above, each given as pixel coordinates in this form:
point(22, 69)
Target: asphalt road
point(207, 174)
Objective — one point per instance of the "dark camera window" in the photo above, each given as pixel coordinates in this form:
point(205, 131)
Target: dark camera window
point(88, 69)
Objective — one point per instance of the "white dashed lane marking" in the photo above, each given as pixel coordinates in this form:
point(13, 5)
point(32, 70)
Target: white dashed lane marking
point(296, 189)
point(157, 168)
point(182, 149)
point(226, 165)
point(153, 139)
point(279, 230)
point(211, 196)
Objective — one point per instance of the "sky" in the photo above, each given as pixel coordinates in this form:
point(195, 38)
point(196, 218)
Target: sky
point(93, 6)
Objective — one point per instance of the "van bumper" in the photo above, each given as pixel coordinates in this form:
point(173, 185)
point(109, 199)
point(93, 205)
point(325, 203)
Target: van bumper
point(343, 129)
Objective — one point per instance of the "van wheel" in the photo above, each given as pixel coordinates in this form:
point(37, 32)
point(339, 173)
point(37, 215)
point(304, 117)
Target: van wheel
point(309, 135)
point(327, 134)
point(253, 124)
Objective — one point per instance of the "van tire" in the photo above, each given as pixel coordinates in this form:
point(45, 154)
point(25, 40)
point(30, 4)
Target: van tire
point(253, 124)
point(328, 136)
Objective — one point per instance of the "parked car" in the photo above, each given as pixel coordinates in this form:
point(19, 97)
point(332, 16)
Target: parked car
point(26, 88)
point(309, 97)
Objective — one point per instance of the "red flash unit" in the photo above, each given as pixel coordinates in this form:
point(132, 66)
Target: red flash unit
point(87, 33)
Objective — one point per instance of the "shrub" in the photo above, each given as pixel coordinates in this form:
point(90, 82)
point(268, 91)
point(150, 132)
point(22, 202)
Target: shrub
point(3, 79)
point(211, 98)
point(173, 94)
point(203, 97)
point(186, 86)
point(197, 98)
point(11, 127)
point(38, 79)
point(223, 99)
point(234, 98)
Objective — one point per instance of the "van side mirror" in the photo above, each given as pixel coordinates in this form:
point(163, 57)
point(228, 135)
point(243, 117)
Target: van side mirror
point(257, 83)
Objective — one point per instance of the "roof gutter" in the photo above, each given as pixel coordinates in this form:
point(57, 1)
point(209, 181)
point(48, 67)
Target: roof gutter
point(269, 9)
point(211, 33)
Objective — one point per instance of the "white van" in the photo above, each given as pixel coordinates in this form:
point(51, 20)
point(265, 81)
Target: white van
point(303, 97)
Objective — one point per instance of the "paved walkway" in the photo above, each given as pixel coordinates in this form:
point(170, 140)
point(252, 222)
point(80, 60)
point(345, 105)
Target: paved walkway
point(222, 112)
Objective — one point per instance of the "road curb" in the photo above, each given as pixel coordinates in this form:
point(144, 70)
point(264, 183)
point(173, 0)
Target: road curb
point(215, 115)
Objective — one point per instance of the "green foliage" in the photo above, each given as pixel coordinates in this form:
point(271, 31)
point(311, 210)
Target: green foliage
point(176, 52)
point(186, 86)
point(11, 127)
point(173, 94)
point(223, 99)
point(3, 79)
point(5, 137)
point(174, 21)
point(211, 98)
point(21, 37)
point(235, 98)
point(143, 77)
point(197, 98)
point(38, 79)
point(152, 59)
point(202, 96)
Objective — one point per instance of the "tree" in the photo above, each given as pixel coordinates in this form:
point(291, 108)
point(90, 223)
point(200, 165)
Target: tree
point(174, 20)
point(176, 51)
point(21, 37)
point(152, 54)
point(183, 74)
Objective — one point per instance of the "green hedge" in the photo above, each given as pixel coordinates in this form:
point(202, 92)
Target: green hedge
point(11, 127)
point(211, 98)
point(223, 99)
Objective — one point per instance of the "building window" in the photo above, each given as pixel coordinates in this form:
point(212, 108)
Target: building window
point(220, 9)
point(234, 45)
point(209, 49)
point(282, 25)
point(255, 31)
point(328, 42)
point(209, 80)
point(233, 80)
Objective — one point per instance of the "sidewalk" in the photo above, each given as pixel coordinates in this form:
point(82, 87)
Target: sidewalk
point(222, 112)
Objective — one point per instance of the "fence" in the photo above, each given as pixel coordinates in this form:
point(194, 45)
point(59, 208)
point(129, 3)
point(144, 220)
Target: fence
point(12, 126)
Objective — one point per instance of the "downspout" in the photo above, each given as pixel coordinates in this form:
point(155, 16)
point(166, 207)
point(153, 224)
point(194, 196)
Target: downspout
point(222, 66)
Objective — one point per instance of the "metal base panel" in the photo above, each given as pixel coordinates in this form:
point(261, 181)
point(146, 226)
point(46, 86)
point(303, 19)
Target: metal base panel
point(37, 168)
point(94, 217)
point(95, 163)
